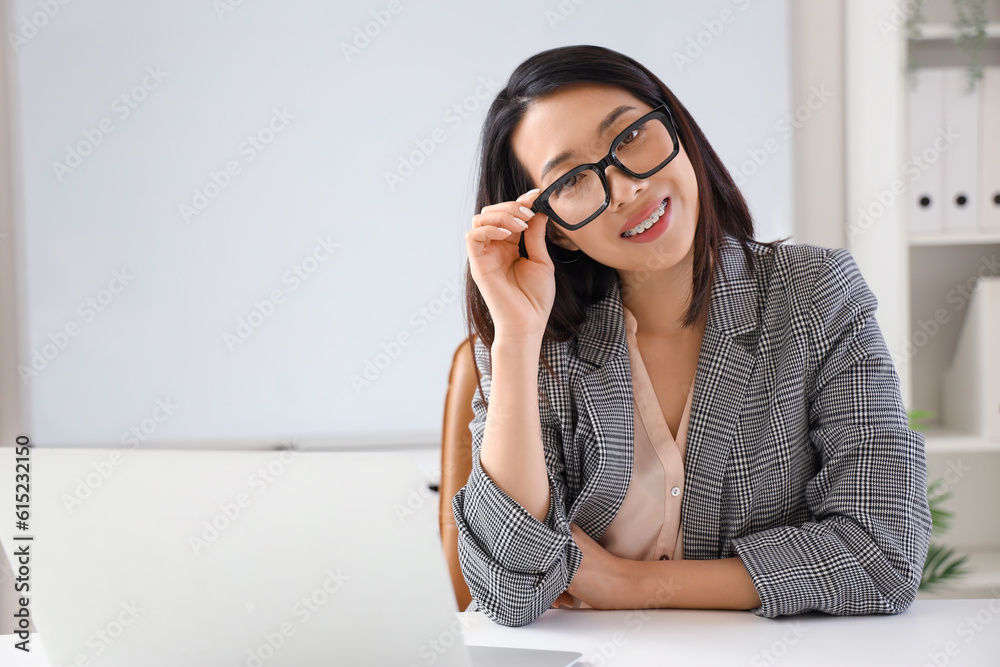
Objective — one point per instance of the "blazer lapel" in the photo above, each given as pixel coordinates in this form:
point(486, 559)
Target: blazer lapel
point(602, 382)
point(724, 369)
point(726, 361)
point(606, 405)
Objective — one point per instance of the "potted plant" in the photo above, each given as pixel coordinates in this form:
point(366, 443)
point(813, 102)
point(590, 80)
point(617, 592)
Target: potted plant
point(943, 564)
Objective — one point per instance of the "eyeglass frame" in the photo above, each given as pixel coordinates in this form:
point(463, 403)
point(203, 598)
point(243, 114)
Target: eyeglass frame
point(661, 113)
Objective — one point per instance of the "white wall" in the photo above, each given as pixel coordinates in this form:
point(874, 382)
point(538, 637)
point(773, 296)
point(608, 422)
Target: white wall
point(400, 250)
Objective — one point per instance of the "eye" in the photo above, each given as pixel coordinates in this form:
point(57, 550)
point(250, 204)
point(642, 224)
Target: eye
point(632, 137)
point(567, 184)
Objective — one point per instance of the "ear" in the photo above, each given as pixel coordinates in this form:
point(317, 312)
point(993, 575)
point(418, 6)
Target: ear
point(557, 236)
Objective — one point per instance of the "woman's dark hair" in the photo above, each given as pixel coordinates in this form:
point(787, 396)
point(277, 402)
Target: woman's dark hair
point(581, 280)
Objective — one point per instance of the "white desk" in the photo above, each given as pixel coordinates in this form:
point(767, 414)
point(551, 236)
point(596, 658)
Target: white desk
point(680, 637)
point(10, 656)
point(930, 632)
point(131, 541)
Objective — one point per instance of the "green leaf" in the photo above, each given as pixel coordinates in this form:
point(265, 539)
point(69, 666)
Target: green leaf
point(942, 566)
point(916, 417)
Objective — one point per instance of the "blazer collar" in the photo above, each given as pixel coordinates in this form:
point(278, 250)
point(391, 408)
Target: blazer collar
point(732, 312)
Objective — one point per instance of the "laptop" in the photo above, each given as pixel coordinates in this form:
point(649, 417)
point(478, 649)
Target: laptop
point(249, 559)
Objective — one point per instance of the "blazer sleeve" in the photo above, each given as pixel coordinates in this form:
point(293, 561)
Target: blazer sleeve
point(514, 564)
point(864, 551)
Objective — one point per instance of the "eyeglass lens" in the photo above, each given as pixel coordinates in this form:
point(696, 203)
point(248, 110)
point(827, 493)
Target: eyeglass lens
point(581, 195)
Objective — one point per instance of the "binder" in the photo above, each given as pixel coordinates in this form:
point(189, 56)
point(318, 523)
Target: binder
point(923, 171)
point(989, 151)
point(961, 158)
point(972, 383)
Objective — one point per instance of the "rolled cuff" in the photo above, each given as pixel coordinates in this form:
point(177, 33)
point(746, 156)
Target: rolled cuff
point(507, 533)
point(796, 570)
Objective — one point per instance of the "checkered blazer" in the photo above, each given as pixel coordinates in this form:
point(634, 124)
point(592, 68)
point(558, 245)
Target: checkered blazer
point(799, 460)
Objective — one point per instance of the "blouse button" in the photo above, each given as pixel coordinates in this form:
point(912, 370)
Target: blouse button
point(676, 491)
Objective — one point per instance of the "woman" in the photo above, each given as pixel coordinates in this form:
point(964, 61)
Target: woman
point(670, 413)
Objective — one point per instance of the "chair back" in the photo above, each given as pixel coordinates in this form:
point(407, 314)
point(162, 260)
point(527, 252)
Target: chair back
point(456, 457)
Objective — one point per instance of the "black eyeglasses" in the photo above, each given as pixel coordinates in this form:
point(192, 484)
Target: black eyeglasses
point(640, 150)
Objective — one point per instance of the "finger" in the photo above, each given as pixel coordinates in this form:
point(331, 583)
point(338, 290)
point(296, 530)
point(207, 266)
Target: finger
point(478, 240)
point(520, 207)
point(525, 199)
point(528, 197)
point(534, 237)
point(564, 599)
point(511, 220)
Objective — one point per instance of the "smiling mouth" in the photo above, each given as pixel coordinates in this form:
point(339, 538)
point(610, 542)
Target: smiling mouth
point(648, 222)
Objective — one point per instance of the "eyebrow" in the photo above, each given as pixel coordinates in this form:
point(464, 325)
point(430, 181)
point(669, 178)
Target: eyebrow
point(606, 124)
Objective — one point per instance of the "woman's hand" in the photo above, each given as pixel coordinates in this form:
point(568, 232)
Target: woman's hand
point(518, 291)
point(564, 600)
point(602, 578)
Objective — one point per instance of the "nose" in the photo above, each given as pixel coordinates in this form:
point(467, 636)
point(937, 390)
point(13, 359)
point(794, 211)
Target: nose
point(622, 187)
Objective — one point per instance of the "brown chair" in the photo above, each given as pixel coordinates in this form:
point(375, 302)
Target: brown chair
point(456, 457)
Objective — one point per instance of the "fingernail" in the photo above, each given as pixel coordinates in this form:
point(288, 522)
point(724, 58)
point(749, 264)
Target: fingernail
point(505, 230)
point(529, 192)
point(528, 213)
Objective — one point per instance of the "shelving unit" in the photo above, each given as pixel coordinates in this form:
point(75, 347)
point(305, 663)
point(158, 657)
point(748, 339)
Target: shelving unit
point(977, 238)
point(944, 31)
point(940, 265)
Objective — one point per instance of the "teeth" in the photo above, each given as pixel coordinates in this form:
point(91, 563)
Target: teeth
point(648, 222)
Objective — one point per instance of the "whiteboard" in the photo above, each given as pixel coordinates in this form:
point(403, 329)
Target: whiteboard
point(229, 212)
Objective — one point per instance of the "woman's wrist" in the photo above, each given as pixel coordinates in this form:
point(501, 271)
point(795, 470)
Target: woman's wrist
point(629, 585)
point(517, 349)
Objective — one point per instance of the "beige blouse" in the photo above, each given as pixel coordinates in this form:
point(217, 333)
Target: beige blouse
point(647, 525)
